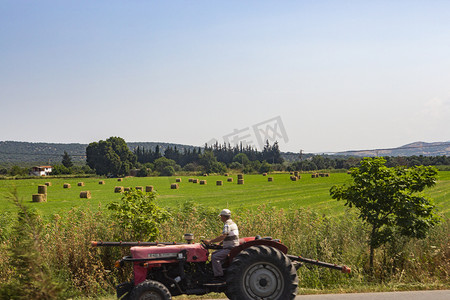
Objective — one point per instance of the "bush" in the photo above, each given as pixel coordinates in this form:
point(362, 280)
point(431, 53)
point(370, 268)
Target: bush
point(168, 171)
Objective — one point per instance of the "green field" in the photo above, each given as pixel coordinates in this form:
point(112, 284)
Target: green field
point(281, 193)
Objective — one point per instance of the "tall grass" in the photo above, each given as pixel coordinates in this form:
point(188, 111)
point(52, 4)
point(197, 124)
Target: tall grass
point(64, 246)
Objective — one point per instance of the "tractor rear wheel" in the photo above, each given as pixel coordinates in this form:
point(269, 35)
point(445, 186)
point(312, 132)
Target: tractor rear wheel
point(150, 290)
point(263, 273)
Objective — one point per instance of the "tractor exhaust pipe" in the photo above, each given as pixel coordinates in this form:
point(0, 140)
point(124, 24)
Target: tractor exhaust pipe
point(343, 269)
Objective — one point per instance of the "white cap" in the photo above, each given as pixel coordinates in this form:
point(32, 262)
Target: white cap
point(225, 212)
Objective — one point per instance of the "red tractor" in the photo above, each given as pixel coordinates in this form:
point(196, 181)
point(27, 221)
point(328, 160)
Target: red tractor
point(259, 268)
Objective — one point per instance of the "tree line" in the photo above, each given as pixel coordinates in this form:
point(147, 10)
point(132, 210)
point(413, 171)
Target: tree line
point(113, 157)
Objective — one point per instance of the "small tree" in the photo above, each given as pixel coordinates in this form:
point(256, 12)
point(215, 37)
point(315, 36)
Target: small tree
point(138, 215)
point(387, 199)
point(67, 160)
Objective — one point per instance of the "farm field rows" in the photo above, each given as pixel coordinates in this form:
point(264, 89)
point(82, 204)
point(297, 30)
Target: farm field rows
point(307, 192)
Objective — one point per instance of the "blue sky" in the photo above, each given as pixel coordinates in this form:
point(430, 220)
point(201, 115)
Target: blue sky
point(339, 75)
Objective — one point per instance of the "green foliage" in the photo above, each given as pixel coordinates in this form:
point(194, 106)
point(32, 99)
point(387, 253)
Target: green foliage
point(167, 171)
point(60, 170)
point(32, 277)
point(210, 163)
point(163, 162)
point(241, 158)
point(110, 157)
point(67, 160)
point(387, 199)
point(265, 167)
point(138, 215)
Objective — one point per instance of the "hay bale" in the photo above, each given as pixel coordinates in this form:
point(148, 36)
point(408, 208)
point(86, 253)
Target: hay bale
point(177, 179)
point(66, 185)
point(205, 174)
point(291, 173)
point(294, 178)
point(149, 189)
point(119, 179)
point(240, 176)
point(226, 174)
point(38, 197)
point(202, 182)
point(230, 179)
point(127, 189)
point(48, 184)
point(42, 189)
point(118, 189)
point(296, 173)
point(219, 182)
point(85, 194)
point(190, 179)
point(315, 175)
point(80, 183)
point(327, 174)
point(270, 179)
point(174, 186)
point(264, 174)
point(101, 182)
point(195, 181)
point(139, 188)
point(240, 181)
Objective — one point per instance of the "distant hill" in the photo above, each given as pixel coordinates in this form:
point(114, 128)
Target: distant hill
point(417, 148)
point(26, 154)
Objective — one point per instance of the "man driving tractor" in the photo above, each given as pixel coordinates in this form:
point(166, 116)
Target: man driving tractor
point(229, 238)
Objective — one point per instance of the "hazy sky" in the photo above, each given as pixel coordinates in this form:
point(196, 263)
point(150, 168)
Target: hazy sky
point(336, 75)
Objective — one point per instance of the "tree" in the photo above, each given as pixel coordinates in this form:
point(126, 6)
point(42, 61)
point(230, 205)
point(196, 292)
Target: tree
point(67, 160)
point(110, 157)
point(387, 199)
point(138, 215)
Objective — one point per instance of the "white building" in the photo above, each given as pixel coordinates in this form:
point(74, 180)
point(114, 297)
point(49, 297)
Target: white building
point(41, 170)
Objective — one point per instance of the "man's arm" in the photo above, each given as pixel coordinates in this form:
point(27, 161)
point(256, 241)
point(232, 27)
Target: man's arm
point(218, 239)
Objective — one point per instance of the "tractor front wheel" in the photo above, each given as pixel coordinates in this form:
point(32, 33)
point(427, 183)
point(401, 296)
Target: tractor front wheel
point(150, 290)
point(261, 272)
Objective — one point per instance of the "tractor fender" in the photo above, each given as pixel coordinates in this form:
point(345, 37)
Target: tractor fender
point(236, 250)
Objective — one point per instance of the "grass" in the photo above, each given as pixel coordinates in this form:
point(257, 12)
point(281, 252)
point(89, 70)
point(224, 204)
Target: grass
point(308, 192)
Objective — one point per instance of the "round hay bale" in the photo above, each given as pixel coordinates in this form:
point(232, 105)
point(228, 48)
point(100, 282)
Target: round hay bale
point(66, 185)
point(264, 174)
point(240, 181)
point(202, 182)
point(195, 181)
point(219, 182)
point(240, 176)
point(38, 197)
point(42, 189)
point(85, 194)
point(270, 179)
point(226, 174)
point(177, 179)
point(118, 189)
point(127, 189)
point(119, 179)
point(327, 174)
point(149, 188)
point(294, 178)
point(205, 174)
point(80, 183)
point(190, 179)
point(230, 179)
point(101, 182)
point(296, 173)
point(314, 175)
point(139, 188)
point(174, 186)
point(321, 174)
point(48, 184)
